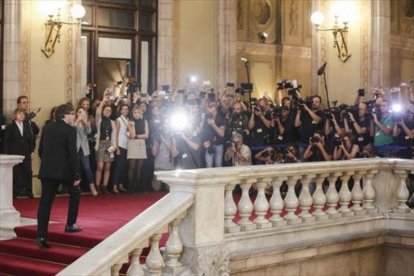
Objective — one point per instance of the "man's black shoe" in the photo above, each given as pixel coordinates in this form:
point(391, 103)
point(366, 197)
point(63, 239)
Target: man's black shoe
point(42, 243)
point(72, 228)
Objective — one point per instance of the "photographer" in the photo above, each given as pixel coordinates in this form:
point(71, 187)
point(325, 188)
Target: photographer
point(260, 124)
point(188, 147)
point(212, 133)
point(238, 154)
point(403, 133)
point(268, 156)
point(284, 122)
point(308, 120)
point(316, 150)
point(239, 122)
point(345, 148)
point(361, 126)
point(383, 130)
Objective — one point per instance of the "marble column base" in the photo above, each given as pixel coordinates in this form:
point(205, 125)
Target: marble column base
point(347, 214)
point(232, 229)
point(248, 227)
point(265, 225)
point(277, 223)
point(401, 211)
point(308, 219)
point(360, 212)
point(335, 215)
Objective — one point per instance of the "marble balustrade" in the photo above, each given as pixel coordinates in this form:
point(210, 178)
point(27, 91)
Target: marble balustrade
point(126, 245)
point(293, 204)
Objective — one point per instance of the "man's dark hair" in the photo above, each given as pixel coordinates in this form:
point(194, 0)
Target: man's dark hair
point(20, 98)
point(317, 96)
point(63, 109)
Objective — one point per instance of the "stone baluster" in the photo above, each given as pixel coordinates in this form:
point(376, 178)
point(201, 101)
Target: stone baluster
point(357, 194)
point(261, 205)
point(230, 209)
point(332, 196)
point(115, 269)
point(135, 268)
point(345, 195)
point(155, 261)
point(292, 201)
point(369, 193)
point(402, 193)
point(276, 202)
point(174, 246)
point(305, 199)
point(245, 206)
point(319, 198)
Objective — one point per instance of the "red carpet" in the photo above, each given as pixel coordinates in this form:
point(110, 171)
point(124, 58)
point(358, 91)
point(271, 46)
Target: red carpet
point(98, 216)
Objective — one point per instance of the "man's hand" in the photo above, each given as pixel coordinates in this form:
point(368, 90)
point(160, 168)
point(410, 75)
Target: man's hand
point(77, 182)
point(211, 122)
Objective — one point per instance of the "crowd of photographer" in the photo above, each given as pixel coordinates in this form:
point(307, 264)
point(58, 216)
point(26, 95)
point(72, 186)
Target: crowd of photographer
point(126, 136)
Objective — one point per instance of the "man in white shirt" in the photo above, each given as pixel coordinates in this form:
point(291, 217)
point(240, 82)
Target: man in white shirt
point(238, 153)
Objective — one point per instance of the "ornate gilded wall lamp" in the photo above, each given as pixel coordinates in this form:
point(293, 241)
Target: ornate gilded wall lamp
point(54, 24)
point(340, 34)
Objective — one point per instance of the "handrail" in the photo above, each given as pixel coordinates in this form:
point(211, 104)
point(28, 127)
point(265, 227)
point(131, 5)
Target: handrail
point(116, 247)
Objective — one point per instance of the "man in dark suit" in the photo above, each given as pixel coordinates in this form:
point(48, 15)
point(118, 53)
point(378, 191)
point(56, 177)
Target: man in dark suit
point(19, 140)
point(59, 164)
point(2, 129)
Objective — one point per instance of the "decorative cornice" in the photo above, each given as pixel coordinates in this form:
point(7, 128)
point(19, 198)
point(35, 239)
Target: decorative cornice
point(259, 49)
point(402, 42)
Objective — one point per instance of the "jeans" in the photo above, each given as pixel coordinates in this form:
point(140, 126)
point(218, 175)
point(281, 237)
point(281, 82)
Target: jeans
point(214, 159)
point(86, 166)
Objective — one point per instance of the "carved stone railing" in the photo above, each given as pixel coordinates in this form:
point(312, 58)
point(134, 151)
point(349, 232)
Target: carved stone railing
point(9, 216)
point(324, 200)
point(126, 244)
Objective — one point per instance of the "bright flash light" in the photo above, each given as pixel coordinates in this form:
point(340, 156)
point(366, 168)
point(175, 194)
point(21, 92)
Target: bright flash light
point(397, 108)
point(193, 78)
point(179, 121)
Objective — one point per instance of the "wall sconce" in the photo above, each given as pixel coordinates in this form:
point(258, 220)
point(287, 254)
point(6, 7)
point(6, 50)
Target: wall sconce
point(340, 34)
point(262, 36)
point(53, 26)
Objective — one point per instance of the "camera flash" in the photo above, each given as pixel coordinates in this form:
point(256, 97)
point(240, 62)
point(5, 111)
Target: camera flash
point(193, 78)
point(396, 108)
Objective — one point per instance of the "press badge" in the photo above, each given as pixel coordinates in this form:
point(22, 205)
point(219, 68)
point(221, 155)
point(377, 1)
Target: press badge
point(184, 155)
point(280, 137)
point(259, 130)
point(407, 137)
point(360, 139)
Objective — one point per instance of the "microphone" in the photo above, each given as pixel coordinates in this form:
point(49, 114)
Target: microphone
point(321, 69)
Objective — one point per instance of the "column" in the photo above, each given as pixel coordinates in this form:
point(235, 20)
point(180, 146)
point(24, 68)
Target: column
point(227, 36)
point(165, 42)
point(380, 44)
point(8, 214)
point(12, 55)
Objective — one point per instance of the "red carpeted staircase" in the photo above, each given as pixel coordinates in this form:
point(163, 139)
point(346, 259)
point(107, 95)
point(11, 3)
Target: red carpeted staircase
point(99, 216)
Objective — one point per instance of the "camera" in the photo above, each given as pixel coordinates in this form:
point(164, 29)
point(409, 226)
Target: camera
point(247, 87)
point(337, 141)
point(257, 109)
point(230, 84)
point(361, 92)
point(315, 139)
point(165, 87)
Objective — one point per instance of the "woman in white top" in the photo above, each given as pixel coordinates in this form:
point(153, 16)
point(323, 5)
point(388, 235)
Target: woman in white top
point(120, 163)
